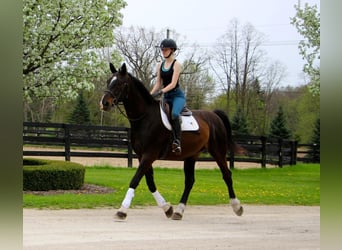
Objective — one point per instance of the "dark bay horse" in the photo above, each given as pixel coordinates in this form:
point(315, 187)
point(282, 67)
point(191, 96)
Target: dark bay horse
point(151, 140)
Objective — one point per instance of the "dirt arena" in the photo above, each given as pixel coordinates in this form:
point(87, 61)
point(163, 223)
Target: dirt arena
point(202, 227)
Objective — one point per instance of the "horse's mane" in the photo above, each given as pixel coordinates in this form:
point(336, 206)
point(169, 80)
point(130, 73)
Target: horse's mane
point(143, 90)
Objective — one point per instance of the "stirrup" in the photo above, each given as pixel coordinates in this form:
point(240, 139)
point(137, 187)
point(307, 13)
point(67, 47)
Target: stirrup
point(176, 147)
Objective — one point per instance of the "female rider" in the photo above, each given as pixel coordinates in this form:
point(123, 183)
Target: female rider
point(167, 83)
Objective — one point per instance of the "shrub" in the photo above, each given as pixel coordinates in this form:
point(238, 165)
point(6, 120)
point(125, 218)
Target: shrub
point(43, 175)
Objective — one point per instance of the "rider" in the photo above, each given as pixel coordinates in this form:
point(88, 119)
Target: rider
point(167, 83)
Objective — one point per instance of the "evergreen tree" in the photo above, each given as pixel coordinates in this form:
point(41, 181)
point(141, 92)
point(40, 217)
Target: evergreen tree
point(239, 123)
point(278, 126)
point(80, 114)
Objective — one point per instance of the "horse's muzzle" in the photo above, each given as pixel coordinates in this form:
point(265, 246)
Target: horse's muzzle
point(105, 105)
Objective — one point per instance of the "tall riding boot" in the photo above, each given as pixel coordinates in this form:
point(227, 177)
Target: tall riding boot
point(176, 130)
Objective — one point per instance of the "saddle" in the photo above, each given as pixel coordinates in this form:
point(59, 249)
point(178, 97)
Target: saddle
point(188, 122)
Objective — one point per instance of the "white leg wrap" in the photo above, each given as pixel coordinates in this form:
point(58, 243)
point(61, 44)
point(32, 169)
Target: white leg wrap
point(159, 199)
point(180, 208)
point(235, 203)
point(128, 198)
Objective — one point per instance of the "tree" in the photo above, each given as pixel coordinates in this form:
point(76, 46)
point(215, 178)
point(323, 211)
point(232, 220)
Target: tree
point(307, 22)
point(271, 79)
point(239, 123)
point(38, 110)
point(301, 109)
point(140, 49)
point(256, 104)
point(80, 115)
point(278, 126)
point(236, 59)
point(247, 78)
point(197, 84)
point(60, 39)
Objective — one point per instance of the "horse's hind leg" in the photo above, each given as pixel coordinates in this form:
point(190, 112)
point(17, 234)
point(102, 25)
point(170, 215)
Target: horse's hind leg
point(227, 177)
point(166, 206)
point(189, 174)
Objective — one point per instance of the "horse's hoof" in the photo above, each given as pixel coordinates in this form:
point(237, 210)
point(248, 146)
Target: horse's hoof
point(120, 216)
point(239, 212)
point(169, 212)
point(237, 208)
point(177, 216)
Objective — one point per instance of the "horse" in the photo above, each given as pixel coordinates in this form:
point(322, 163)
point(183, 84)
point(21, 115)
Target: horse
point(150, 141)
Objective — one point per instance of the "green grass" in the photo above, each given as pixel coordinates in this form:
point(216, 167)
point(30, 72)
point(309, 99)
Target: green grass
point(295, 185)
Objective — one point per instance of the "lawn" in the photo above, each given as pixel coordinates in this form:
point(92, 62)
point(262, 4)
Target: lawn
point(290, 185)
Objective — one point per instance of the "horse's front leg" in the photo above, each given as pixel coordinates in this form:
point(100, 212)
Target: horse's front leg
point(141, 171)
point(189, 174)
point(166, 206)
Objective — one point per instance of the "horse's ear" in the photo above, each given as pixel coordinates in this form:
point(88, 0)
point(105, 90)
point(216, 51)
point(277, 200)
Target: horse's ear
point(112, 68)
point(123, 69)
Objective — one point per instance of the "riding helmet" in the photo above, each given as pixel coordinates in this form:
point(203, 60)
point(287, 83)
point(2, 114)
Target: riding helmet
point(168, 43)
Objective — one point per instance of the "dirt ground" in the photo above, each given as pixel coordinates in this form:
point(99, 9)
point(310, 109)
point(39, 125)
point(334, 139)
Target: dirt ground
point(202, 227)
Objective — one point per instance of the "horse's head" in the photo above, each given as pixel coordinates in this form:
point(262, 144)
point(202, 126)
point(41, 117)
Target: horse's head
point(117, 87)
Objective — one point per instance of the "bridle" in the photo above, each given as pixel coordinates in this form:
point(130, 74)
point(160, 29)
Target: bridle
point(116, 102)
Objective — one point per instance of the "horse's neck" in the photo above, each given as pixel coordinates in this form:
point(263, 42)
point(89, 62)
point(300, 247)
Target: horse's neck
point(135, 105)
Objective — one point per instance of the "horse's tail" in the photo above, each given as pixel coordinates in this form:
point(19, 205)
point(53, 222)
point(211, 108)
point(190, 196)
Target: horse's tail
point(232, 146)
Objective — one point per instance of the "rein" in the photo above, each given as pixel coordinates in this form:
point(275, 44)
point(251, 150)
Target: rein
point(130, 119)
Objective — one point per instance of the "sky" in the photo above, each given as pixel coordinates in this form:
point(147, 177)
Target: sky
point(203, 22)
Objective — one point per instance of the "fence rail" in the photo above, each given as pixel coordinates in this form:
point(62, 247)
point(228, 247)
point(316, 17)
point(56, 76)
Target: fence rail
point(264, 150)
point(308, 153)
point(74, 138)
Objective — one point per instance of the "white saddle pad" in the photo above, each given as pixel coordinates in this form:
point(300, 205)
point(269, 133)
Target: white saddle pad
point(188, 123)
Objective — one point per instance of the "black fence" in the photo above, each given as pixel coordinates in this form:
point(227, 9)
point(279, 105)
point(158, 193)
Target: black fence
point(308, 153)
point(264, 150)
point(76, 138)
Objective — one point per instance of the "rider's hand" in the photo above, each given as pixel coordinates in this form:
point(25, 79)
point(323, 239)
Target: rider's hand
point(157, 94)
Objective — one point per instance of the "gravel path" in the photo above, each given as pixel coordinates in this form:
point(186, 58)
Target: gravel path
point(202, 227)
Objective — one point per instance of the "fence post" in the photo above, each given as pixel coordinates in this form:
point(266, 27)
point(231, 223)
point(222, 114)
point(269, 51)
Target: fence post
point(316, 153)
point(263, 151)
point(129, 149)
point(280, 153)
point(293, 160)
point(66, 142)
